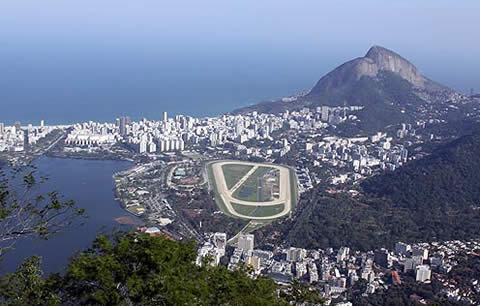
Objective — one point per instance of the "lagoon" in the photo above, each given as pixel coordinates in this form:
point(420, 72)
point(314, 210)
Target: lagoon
point(89, 183)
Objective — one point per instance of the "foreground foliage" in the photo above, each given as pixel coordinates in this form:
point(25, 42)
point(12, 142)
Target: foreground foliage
point(27, 212)
point(136, 269)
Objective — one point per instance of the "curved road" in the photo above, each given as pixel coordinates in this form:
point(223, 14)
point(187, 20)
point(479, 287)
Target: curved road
point(227, 195)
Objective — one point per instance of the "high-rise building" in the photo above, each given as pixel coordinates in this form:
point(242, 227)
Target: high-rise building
point(42, 123)
point(239, 128)
point(419, 251)
point(152, 147)
point(17, 125)
point(382, 258)
point(2, 128)
point(165, 117)
point(342, 254)
point(295, 254)
point(325, 111)
point(26, 140)
point(142, 146)
point(423, 273)
point(220, 240)
point(246, 242)
point(123, 126)
point(402, 248)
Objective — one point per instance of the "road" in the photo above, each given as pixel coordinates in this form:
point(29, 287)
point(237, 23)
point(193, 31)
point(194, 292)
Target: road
point(55, 142)
point(242, 180)
point(227, 195)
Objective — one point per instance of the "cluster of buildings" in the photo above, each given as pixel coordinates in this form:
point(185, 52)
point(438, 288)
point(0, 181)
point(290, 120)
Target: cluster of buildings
point(230, 131)
point(360, 154)
point(213, 249)
point(18, 138)
point(332, 272)
point(138, 197)
point(92, 134)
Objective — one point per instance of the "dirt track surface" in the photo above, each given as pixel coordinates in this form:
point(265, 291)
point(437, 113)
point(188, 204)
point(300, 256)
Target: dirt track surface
point(227, 195)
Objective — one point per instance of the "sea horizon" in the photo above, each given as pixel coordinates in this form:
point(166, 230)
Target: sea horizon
point(91, 87)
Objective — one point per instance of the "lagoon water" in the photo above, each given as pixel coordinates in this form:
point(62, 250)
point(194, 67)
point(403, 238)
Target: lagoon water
point(89, 183)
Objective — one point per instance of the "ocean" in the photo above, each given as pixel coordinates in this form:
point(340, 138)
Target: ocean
point(69, 88)
point(69, 85)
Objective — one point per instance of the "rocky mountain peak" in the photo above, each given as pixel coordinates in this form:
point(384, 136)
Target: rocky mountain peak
point(378, 59)
point(387, 60)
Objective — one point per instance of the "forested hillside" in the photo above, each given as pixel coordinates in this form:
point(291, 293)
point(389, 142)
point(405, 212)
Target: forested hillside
point(435, 198)
point(447, 179)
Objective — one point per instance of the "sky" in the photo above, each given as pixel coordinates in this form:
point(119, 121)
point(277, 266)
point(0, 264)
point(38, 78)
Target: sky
point(72, 54)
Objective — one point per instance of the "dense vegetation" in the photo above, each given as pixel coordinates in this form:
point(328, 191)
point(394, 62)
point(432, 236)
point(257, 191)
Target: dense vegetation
point(435, 198)
point(447, 179)
point(137, 269)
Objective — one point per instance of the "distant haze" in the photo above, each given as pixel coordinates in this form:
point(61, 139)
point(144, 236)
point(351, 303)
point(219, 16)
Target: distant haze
point(70, 61)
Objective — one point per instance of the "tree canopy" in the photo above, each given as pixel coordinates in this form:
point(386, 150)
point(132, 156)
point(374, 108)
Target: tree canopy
point(137, 269)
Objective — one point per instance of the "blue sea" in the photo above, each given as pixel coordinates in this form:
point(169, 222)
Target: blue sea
point(68, 88)
point(69, 84)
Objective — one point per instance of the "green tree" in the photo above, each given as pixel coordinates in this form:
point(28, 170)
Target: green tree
point(26, 287)
point(300, 293)
point(138, 269)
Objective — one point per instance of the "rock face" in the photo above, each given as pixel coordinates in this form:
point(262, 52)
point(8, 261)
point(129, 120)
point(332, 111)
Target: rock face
point(388, 60)
point(377, 59)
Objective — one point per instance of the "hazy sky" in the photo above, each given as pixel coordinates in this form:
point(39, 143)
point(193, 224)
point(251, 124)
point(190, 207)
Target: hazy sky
point(302, 38)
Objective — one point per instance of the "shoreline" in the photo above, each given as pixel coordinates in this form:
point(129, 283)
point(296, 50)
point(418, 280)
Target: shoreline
point(115, 195)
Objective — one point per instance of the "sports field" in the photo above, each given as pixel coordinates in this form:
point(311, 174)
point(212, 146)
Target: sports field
point(253, 191)
point(258, 211)
point(233, 173)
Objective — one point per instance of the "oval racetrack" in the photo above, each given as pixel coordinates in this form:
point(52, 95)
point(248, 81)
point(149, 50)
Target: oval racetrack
point(227, 195)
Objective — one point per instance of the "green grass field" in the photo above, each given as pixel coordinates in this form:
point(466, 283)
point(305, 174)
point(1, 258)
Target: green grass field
point(249, 189)
point(258, 211)
point(233, 173)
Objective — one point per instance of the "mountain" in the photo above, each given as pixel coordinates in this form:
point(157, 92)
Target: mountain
point(390, 88)
point(376, 62)
point(434, 198)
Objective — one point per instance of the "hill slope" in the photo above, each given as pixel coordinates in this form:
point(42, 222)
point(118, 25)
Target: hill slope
point(435, 198)
point(449, 178)
point(377, 61)
point(390, 87)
